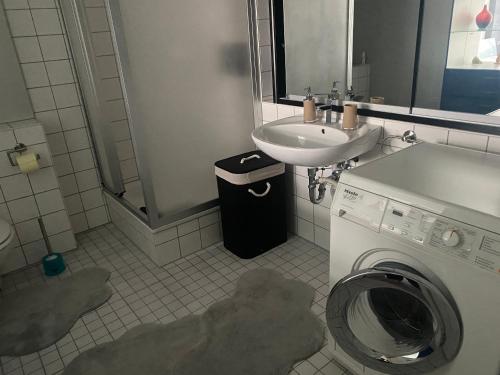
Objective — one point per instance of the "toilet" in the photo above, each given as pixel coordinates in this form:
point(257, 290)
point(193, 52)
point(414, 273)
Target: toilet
point(6, 236)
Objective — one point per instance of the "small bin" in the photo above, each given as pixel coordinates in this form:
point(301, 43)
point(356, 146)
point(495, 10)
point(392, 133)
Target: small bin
point(253, 203)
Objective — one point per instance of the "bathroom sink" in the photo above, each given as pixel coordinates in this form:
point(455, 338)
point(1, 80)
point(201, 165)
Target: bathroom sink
point(314, 145)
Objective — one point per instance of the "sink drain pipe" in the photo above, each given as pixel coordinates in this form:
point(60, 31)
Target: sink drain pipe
point(321, 182)
point(313, 182)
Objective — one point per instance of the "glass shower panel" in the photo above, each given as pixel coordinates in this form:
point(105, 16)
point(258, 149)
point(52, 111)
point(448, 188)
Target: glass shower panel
point(105, 99)
point(188, 77)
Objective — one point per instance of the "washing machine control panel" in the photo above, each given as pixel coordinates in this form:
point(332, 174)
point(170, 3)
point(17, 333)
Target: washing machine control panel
point(462, 241)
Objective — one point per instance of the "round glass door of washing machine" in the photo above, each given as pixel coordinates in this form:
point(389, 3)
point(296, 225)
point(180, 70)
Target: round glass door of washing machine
point(392, 319)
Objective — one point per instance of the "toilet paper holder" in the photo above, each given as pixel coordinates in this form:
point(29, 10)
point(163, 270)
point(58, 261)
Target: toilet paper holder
point(18, 149)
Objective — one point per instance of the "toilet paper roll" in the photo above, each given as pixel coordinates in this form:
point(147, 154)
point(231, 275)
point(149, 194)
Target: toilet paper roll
point(28, 162)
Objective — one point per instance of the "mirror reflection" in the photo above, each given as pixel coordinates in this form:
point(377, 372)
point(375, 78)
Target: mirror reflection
point(417, 56)
point(459, 67)
point(384, 45)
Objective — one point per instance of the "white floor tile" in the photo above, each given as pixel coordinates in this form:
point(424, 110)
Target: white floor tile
point(145, 292)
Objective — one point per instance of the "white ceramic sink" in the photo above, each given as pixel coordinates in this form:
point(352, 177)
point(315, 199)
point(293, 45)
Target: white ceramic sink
point(314, 145)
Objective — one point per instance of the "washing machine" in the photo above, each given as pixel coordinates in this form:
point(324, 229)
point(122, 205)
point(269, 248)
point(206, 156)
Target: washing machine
point(415, 264)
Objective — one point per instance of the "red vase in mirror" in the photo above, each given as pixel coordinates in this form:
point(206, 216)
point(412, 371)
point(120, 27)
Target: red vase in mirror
point(483, 19)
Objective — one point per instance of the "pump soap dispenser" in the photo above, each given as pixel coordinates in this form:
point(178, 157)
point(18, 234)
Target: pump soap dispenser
point(309, 106)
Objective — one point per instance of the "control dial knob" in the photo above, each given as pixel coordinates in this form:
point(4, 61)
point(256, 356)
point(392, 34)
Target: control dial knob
point(451, 238)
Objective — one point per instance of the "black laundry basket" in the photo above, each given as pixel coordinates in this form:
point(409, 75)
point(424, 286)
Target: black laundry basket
point(253, 203)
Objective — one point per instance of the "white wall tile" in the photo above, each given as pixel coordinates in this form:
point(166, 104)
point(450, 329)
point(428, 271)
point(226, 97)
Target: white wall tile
point(322, 237)
point(209, 219)
point(210, 235)
point(72, 118)
point(87, 180)
point(68, 185)
point(302, 187)
point(14, 260)
point(97, 19)
point(102, 43)
point(50, 121)
point(92, 199)
point(285, 111)
point(473, 141)
point(190, 243)
point(188, 227)
point(53, 47)
point(63, 242)
point(305, 229)
point(82, 160)
point(305, 209)
point(57, 143)
point(6, 169)
point(23, 209)
point(59, 72)
point(50, 201)
point(269, 112)
point(15, 4)
point(79, 222)
point(28, 231)
point(65, 95)
point(322, 216)
point(97, 216)
point(167, 252)
point(42, 99)
point(62, 165)
point(165, 236)
point(494, 145)
point(15, 187)
point(35, 75)
point(7, 140)
point(42, 180)
point(74, 204)
point(28, 49)
point(396, 129)
point(35, 251)
point(56, 222)
point(30, 135)
point(76, 139)
point(20, 22)
point(432, 134)
point(106, 67)
point(42, 4)
point(46, 21)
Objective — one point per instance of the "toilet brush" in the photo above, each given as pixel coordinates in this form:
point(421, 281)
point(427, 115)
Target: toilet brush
point(53, 263)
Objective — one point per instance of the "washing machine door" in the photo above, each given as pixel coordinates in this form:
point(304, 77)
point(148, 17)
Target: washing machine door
point(392, 319)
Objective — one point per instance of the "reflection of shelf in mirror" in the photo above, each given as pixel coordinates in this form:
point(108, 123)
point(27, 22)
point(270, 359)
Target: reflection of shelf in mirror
point(483, 66)
point(497, 29)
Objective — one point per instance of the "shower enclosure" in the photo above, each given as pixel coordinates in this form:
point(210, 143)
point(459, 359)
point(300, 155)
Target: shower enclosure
point(169, 88)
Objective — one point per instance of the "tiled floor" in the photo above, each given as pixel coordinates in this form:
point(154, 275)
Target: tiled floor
point(144, 292)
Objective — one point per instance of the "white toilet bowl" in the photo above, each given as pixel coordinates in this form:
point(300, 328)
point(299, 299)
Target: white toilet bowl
point(6, 236)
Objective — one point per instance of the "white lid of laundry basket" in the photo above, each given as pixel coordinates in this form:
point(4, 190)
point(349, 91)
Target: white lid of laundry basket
point(248, 168)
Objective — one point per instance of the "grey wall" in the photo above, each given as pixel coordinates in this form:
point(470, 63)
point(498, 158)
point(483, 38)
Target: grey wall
point(433, 53)
point(387, 31)
point(14, 100)
point(315, 44)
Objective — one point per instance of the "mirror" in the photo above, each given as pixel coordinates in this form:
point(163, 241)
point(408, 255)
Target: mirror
point(459, 67)
point(429, 58)
point(15, 104)
point(384, 42)
point(310, 46)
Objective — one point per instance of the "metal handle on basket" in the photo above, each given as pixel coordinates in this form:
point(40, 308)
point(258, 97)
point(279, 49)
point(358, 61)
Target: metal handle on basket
point(268, 189)
point(254, 156)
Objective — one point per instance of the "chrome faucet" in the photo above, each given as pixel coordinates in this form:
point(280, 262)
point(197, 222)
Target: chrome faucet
point(333, 99)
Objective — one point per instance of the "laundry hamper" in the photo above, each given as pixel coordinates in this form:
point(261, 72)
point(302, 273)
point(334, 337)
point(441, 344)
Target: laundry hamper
point(253, 203)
